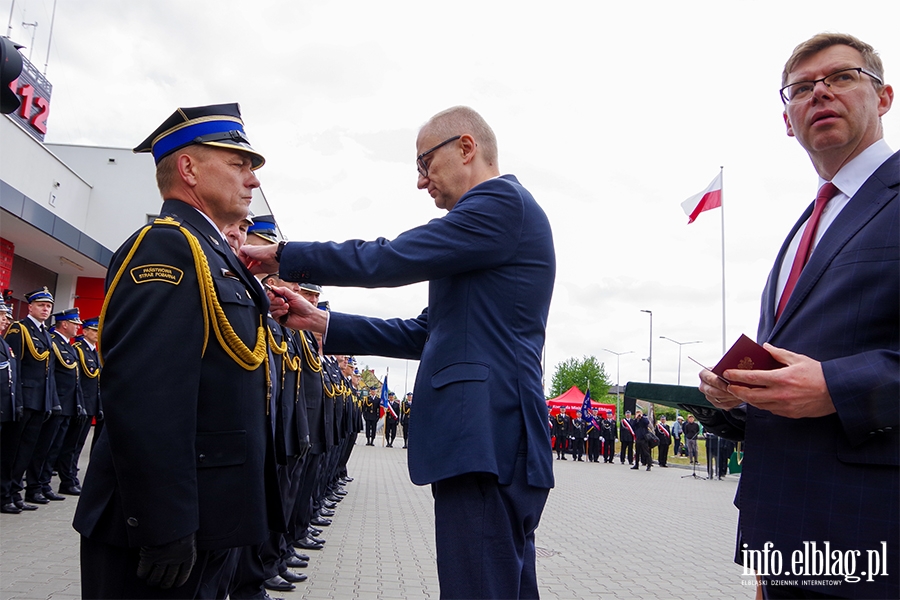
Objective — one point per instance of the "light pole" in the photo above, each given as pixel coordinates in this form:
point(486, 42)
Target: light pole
point(649, 359)
point(618, 387)
point(680, 344)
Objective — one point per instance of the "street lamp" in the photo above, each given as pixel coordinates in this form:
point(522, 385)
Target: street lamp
point(649, 359)
point(618, 387)
point(680, 344)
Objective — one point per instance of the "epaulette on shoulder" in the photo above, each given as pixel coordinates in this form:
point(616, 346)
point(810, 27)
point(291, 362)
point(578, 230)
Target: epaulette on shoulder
point(14, 328)
point(167, 220)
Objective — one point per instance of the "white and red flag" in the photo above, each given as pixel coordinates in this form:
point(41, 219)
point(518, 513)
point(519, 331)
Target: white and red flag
point(708, 199)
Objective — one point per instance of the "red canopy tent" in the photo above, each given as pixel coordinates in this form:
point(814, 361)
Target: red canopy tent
point(571, 401)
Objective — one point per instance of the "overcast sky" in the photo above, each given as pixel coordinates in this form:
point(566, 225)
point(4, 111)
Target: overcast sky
point(612, 114)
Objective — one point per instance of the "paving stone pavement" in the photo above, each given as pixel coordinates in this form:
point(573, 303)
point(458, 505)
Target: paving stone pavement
point(603, 535)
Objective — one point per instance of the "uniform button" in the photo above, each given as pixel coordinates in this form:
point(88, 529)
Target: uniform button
point(888, 428)
point(132, 522)
point(201, 458)
point(237, 295)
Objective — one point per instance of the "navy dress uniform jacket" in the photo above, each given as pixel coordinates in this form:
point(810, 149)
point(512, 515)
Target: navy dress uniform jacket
point(490, 264)
point(312, 382)
point(187, 442)
point(10, 383)
point(38, 384)
point(835, 478)
point(90, 376)
point(68, 376)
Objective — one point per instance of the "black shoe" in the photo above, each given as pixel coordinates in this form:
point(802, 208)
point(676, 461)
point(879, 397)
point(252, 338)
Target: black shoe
point(10, 509)
point(313, 531)
point(389, 446)
point(648, 468)
point(635, 468)
point(300, 555)
point(295, 563)
point(315, 540)
point(307, 544)
point(404, 446)
point(347, 479)
point(329, 505)
point(51, 495)
point(72, 490)
point(37, 498)
point(339, 492)
point(278, 584)
point(321, 522)
point(22, 506)
point(333, 498)
point(325, 512)
point(292, 577)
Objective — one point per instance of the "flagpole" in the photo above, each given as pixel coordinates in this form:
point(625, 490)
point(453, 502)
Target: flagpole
point(387, 371)
point(722, 179)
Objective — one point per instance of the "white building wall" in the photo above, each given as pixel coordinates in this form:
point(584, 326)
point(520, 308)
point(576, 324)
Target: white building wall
point(32, 168)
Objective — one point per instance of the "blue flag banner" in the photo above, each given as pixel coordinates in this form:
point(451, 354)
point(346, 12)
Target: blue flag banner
point(384, 399)
point(586, 415)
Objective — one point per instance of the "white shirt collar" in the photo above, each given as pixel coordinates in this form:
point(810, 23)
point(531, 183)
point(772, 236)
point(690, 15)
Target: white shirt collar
point(854, 174)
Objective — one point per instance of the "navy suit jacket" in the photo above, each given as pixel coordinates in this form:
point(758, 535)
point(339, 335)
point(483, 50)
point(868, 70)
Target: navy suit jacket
point(490, 264)
point(836, 478)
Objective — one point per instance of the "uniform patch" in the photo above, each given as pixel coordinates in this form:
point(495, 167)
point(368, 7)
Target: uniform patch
point(164, 273)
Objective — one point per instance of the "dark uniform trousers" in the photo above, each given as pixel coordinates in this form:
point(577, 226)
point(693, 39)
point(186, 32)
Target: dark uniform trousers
point(108, 572)
point(486, 533)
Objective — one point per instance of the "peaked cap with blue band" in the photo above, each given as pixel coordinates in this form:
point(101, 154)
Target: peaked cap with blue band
point(217, 125)
point(264, 227)
point(70, 314)
point(41, 295)
point(92, 323)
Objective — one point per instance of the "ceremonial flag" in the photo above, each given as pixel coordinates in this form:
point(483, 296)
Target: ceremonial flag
point(384, 399)
point(586, 415)
point(708, 199)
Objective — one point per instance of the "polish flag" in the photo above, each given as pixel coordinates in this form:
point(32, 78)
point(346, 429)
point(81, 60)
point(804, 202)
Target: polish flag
point(708, 199)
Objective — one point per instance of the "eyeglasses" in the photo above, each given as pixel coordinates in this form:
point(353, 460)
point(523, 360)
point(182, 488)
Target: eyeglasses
point(838, 82)
point(421, 165)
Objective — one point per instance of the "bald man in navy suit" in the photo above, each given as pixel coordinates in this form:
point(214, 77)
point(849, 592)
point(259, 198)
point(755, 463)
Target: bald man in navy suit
point(822, 433)
point(490, 265)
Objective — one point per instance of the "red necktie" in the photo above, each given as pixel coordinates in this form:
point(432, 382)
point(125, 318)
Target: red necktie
point(826, 192)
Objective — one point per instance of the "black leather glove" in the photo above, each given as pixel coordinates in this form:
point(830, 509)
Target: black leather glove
point(100, 416)
point(20, 413)
point(304, 447)
point(168, 565)
point(56, 410)
point(82, 415)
